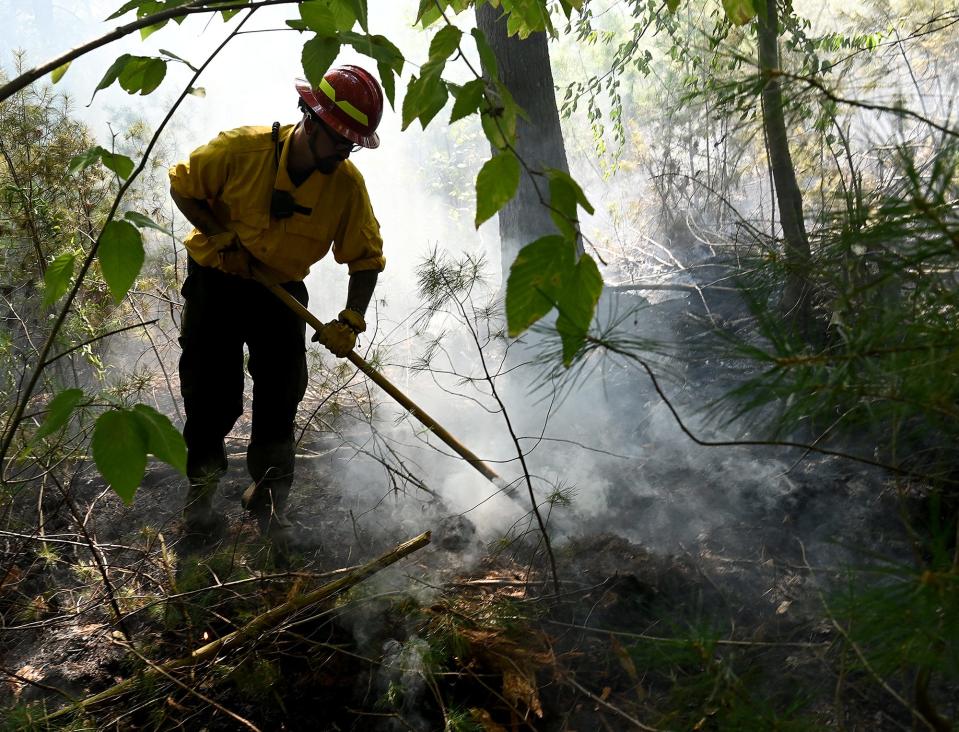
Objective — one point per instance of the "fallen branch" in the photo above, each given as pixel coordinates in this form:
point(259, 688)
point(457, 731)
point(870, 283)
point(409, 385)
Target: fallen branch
point(255, 628)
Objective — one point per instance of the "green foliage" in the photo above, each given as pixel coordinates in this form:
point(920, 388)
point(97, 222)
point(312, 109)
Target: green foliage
point(496, 184)
point(318, 55)
point(135, 74)
point(426, 95)
point(56, 280)
point(564, 197)
point(59, 411)
point(548, 274)
point(468, 99)
point(122, 439)
point(119, 164)
point(121, 256)
point(144, 222)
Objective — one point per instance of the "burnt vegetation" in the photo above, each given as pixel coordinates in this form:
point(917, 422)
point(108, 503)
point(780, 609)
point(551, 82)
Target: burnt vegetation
point(731, 504)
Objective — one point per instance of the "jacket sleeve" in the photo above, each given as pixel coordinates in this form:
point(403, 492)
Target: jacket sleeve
point(358, 242)
point(205, 174)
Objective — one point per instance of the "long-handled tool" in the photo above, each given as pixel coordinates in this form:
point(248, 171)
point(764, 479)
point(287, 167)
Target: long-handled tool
point(385, 384)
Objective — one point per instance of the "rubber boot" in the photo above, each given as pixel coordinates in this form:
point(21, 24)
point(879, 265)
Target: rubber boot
point(267, 502)
point(198, 514)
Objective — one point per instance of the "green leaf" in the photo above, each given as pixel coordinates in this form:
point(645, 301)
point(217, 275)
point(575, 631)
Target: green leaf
point(85, 159)
point(119, 164)
point(672, 5)
point(535, 280)
point(376, 47)
point(142, 74)
point(59, 411)
point(496, 184)
point(163, 439)
point(144, 222)
point(468, 99)
point(228, 14)
point(318, 55)
point(739, 12)
point(487, 57)
point(119, 448)
point(56, 280)
point(565, 195)
point(318, 17)
point(389, 84)
point(445, 41)
point(425, 97)
point(151, 29)
point(58, 72)
point(121, 256)
point(362, 16)
point(126, 8)
point(112, 73)
point(577, 304)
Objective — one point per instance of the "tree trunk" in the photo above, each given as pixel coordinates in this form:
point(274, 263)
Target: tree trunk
point(524, 69)
point(795, 299)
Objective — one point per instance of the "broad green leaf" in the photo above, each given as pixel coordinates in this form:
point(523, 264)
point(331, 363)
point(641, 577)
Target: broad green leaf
point(318, 17)
point(126, 8)
point(672, 5)
point(468, 99)
point(151, 29)
point(228, 14)
point(376, 47)
point(112, 73)
point(85, 159)
point(119, 164)
point(526, 17)
point(565, 195)
point(143, 221)
point(500, 127)
point(121, 256)
point(58, 72)
point(142, 74)
point(577, 304)
point(362, 16)
point(59, 411)
point(56, 280)
point(318, 55)
point(389, 84)
point(163, 439)
point(425, 97)
point(535, 280)
point(445, 41)
point(119, 448)
point(570, 182)
point(739, 12)
point(496, 184)
point(487, 57)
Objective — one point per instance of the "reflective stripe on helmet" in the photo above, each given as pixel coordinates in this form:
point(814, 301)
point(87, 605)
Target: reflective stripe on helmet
point(352, 111)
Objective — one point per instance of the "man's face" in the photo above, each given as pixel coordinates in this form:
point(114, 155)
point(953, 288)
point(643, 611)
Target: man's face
point(329, 148)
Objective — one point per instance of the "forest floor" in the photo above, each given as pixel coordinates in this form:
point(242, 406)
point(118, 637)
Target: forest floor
point(733, 629)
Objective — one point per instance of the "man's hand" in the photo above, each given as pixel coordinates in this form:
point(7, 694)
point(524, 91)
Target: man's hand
point(232, 256)
point(339, 336)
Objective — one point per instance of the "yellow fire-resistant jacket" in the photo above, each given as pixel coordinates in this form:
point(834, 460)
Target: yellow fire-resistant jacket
point(236, 174)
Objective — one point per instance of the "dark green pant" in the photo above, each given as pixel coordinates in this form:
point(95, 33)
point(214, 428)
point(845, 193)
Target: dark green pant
point(221, 313)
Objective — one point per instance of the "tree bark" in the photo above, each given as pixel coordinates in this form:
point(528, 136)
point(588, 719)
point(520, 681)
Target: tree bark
point(795, 299)
point(524, 69)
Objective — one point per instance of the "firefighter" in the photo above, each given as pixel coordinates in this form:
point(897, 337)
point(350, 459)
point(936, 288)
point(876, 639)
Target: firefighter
point(277, 199)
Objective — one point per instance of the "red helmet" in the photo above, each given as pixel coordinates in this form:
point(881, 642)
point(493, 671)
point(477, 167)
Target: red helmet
point(349, 100)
